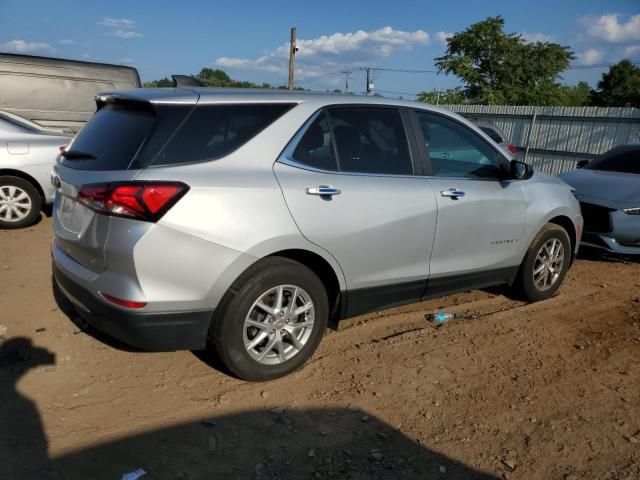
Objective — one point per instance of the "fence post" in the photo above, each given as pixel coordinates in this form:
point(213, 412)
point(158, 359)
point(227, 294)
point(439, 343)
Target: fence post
point(533, 122)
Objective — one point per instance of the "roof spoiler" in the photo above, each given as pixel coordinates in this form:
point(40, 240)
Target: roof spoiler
point(180, 81)
point(122, 99)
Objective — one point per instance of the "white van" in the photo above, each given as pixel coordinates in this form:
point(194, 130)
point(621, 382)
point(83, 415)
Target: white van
point(58, 93)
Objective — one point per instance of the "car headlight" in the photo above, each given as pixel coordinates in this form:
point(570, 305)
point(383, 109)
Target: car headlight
point(632, 211)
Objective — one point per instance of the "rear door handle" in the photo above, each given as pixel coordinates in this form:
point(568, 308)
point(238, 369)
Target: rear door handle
point(324, 191)
point(453, 193)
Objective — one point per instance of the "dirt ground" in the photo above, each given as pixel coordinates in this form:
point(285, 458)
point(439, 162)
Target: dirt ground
point(542, 391)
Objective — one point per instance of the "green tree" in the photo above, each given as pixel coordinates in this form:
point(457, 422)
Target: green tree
point(163, 82)
point(619, 87)
point(500, 68)
point(220, 78)
point(452, 96)
point(210, 77)
point(575, 96)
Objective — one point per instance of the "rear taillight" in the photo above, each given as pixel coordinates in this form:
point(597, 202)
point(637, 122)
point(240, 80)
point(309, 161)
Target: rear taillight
point(146, 201)
point(512, 149)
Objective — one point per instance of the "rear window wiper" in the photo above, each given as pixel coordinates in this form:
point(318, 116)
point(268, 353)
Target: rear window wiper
point(76, 155)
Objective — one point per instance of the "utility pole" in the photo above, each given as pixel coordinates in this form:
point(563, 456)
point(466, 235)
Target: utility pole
point(292, 57)
point(367, 89)
point(346, 80)
point(369, 86)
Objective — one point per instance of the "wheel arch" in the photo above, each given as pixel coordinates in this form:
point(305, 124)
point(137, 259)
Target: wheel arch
point(9, 172)
point(325, 272)
point(566, 223)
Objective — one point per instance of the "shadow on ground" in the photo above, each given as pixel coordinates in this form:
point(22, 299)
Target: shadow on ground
point(261, 444)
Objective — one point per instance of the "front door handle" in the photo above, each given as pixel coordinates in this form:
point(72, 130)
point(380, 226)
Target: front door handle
point(454, 193)
point(324, 191)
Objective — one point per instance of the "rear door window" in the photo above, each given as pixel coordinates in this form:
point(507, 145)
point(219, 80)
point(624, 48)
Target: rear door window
point(213, 131)
point(315, 148)
point(370, 140)
point(112, 137)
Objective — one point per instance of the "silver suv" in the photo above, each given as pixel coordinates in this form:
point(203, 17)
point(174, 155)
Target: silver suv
point(248, 221)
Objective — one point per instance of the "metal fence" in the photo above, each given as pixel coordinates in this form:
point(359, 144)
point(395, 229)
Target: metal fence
point(553, 139)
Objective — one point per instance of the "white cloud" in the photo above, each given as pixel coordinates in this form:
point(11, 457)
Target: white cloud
point(331, 51)
point(441, 37)
point(632, 50)
point(21, 46)
point(67, 42)
point(589, 56)
point(120, 27)
point(533, 37)
point(124, 34)
point(125, 23)
point(609, 29)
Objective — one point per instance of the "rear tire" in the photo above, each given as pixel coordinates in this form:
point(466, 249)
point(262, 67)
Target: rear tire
point(545, 263)
point(256, 331)
point(20, 202)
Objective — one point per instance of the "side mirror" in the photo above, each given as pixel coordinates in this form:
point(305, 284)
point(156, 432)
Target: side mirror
point(582, 163)
point(520, 170)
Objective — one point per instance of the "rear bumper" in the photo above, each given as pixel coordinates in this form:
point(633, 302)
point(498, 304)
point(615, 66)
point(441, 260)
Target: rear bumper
point(149, 331)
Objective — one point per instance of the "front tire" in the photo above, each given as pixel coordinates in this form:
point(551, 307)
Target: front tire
point(271, 320)
point(545, 263)
point(20, 202)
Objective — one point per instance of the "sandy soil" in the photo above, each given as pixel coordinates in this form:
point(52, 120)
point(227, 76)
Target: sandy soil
point(548, 390)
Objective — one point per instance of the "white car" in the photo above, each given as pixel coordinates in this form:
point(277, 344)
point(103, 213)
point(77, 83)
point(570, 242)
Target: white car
point(27, 155)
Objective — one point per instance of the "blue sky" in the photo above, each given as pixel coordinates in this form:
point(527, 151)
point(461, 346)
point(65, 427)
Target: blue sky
point(248, 39)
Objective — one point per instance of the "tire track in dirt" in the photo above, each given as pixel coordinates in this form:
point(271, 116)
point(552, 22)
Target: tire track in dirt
point(552, 386)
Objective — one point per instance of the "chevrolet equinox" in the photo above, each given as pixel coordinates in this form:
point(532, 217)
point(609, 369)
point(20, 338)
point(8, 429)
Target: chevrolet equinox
point(248, 221)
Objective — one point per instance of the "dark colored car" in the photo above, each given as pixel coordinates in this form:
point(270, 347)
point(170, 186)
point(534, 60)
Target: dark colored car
point(608, 188)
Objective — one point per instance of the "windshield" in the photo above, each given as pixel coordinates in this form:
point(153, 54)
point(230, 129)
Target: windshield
point(626, 161)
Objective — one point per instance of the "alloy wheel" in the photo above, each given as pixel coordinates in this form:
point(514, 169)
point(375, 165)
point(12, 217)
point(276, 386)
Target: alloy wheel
point(279, 324)
point(548, 264)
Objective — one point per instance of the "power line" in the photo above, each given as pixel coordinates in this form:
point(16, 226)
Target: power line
point(402, 70)
point(314, 78)
point(600, 65)
point(398, 93)
point(410, 70)
point(372, 69)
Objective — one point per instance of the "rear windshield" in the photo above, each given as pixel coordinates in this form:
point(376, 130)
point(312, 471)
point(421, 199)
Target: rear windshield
point(213, 131)
point(111, 138)
point(123, 136)
point(624, 162)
